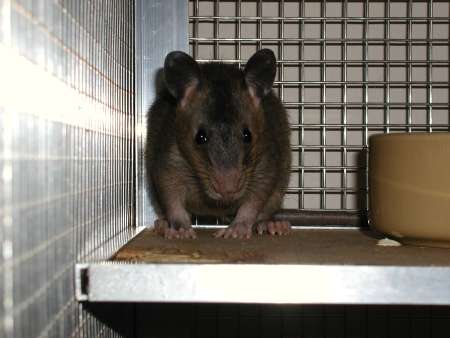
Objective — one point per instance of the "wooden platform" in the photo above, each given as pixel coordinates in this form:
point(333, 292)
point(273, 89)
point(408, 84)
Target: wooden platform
point(340, 247)
point(304, 267)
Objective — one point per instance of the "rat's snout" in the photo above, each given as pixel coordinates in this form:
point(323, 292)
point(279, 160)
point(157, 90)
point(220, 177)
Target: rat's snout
point(227, 182)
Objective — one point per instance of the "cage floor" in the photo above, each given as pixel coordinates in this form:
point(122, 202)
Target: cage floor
point(335, 247)
point(305, 267)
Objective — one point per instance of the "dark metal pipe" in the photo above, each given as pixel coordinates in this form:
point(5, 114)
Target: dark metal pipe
point(323, 218)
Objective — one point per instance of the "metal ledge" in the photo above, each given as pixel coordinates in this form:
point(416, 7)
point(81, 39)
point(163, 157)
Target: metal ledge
point(307, 267)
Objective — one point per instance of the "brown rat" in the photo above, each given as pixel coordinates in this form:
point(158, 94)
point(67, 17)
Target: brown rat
point(218, 145)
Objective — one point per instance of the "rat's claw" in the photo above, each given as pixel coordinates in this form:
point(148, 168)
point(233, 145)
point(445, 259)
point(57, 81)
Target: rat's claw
point(181, 233)
point(273, 227)
point(236, 230)
point(162, 228)
point(187, 233)
point(219, 233)
point(170, 233)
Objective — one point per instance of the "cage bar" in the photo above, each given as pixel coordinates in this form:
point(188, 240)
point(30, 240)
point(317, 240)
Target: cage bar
point(337, 108)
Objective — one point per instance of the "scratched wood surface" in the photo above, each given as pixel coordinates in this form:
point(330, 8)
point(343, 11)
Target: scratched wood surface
point(299, 247)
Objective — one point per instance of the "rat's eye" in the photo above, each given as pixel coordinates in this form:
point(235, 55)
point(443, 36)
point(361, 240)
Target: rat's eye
point(201, 137)
point(246, 135)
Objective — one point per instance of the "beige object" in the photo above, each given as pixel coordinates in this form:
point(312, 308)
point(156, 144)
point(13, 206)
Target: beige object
point(410, 187)
point(388, 242)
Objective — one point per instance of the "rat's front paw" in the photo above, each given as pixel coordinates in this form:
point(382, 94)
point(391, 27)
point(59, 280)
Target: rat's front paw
point(273, 227)
point(238, 230)
point(170, 232)
point(181, 233)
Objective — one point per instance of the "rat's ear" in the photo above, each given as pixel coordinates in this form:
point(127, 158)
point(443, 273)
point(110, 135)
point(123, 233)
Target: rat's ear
point(260, 73)
point(182, 75)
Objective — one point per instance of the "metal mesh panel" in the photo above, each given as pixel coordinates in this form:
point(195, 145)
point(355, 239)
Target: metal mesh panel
point(299, 321)
point(66, 156)
point(346, 70)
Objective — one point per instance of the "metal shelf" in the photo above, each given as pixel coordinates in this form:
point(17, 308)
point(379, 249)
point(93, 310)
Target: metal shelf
point(305, 267)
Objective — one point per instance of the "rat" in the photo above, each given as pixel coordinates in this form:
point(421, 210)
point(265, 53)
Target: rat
point(218, 145)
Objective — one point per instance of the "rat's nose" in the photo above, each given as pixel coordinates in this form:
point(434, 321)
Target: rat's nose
point(227, 182)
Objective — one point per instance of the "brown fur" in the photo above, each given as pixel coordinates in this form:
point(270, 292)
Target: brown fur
point(180, 170)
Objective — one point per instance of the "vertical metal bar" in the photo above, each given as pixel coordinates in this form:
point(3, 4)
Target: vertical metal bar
point(344, 100)
point(130, 62)
point(138, 66)
point(323, 99)
point(429, 66)
point(112, 117)
point(216, 30)
point(387, 69)
point(196, 31)
point(409, 68)
point(259, 27)
point(366, 101)
point(281, 48)
point(302, 107)
point(238, 32)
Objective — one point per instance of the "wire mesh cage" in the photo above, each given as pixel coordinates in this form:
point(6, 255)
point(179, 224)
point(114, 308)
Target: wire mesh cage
point(66, 156)
point(346, 70)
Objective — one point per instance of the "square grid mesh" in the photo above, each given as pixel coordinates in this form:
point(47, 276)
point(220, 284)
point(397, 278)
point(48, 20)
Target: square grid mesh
point(66, 156)
point(346, 70)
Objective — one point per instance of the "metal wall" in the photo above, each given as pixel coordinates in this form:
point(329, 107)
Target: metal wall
point(161, 27)
point(346, 70)
point(67, 140)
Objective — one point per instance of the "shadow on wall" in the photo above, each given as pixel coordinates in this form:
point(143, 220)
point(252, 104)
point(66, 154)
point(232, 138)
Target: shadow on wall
point(159, 85)
point(159, 80)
